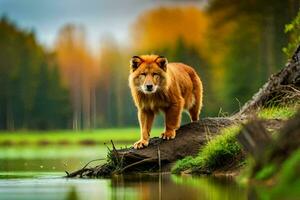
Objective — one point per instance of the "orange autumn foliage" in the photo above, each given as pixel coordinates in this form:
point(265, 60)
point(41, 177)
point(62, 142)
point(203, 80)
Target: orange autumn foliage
point(163, 27)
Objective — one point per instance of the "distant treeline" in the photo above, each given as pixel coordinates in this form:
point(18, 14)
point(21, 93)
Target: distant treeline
point(234, 45)
point(31, 93)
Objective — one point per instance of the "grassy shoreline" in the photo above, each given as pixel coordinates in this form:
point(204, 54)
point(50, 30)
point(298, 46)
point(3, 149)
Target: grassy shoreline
point(224, 150)
point(274, 180)
point(64, 137)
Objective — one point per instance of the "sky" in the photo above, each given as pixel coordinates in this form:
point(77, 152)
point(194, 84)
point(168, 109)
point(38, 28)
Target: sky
point(100, 18)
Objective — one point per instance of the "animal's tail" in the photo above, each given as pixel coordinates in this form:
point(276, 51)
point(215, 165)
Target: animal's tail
point(197, 90)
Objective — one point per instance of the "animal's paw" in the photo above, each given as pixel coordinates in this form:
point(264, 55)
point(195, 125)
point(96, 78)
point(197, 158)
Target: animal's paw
point(141, 144)
point(169, 134)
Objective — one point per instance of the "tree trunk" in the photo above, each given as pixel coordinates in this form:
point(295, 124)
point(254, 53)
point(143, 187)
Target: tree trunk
point(280, 88)
point(189, 138)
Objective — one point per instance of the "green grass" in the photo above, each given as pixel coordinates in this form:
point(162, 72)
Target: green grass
point(284, 112)
point(266, 172)
point(289, 176)
point(218, 152)
point(186, 163)
point(73, 137)
point(287, 181)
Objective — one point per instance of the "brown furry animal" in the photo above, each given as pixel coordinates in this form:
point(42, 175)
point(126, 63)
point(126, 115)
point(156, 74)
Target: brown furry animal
point(157, 85)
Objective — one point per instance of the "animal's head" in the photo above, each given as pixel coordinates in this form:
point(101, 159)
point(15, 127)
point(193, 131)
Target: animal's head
point(148, 73)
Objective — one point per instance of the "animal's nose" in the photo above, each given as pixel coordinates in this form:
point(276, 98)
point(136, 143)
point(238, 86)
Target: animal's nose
point(149, 87)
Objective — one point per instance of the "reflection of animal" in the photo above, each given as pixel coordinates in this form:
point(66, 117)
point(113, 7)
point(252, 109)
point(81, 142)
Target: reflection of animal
point(157, 85)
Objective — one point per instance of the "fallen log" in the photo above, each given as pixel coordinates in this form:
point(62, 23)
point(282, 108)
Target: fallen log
point(189, 139)
point(160, 154)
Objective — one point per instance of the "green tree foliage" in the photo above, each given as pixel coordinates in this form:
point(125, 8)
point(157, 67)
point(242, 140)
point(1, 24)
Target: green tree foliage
point(293, 29)
point(253, 45)
point(31, 95)
point(188, 54)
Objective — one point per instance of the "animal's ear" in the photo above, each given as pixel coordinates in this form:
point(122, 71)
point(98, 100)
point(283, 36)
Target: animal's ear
point(162, 62)
point(135, 62)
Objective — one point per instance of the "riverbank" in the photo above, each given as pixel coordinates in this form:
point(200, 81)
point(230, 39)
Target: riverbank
point(264, 158)
point(223, 155)
point(70, 137)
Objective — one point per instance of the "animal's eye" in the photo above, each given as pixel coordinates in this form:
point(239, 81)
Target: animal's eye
point(155, 74)
point(143, 74)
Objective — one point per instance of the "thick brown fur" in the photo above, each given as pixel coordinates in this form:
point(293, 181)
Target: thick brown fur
point(176, 87)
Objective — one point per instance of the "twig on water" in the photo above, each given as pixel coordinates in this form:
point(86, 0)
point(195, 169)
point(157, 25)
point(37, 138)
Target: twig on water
point(134, 164)
point(83, 169)
point(158, 156)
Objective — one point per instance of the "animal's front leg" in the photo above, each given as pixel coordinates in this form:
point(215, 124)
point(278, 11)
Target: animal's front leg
point(172, 120)
point(145, 119)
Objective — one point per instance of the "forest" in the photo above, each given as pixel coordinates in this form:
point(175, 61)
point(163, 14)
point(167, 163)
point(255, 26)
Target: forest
point(68, 123)
point(234, 46)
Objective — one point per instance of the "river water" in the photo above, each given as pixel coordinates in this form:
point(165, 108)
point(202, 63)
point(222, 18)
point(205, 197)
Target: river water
point(37, 173)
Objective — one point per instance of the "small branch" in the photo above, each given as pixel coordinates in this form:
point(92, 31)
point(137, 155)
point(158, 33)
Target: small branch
point(92, 161)
point(83, 169)
point(76, 173)
point(136, 163)
point(115, 153)
point(113, 145)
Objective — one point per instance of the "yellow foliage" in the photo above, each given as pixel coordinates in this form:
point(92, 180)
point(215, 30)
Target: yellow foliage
point(75, 60)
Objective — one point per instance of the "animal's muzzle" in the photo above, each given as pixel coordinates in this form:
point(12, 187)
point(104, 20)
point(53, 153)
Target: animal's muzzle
point(149, 87)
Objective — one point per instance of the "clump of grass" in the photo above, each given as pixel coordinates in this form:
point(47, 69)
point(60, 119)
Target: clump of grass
point(184, 164)
point(219, 152)
point(278, 112)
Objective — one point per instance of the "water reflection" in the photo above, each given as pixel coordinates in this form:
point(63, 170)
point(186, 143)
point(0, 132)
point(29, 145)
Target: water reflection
point(49, 158)
point(166, 186)
point(31, 173)
point(72, 194)
point(139, 186)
